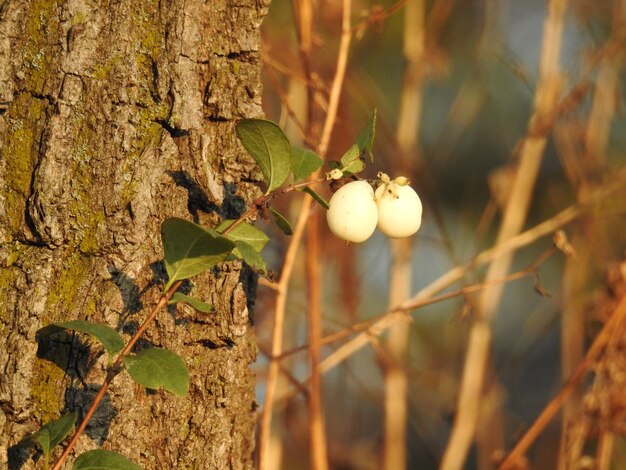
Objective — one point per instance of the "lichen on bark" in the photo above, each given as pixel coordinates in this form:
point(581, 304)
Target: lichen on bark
point(116, 118)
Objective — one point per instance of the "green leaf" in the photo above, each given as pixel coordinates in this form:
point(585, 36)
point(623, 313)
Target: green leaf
point(353, 167)
point(351, 160)
point(50, 434)
point(159, 368)
point(43, 440)
point(245, 232)
point(281, 222)
point(110, 339)
point(251, 256)
point(304, 162)
point(317, 197)
point(191, 249)
point(101, 459)
point(195, 303)
point(269, 147)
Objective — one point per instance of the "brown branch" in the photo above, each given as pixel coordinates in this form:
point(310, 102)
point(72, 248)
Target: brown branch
point(531, 154)
point(277, 336)
point(370, 326)
point(553, 407)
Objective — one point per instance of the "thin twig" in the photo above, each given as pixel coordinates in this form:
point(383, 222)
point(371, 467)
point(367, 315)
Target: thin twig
point(340, 73)
point(553, 407)
point(582, 165)
point(319, 457)
point(366, 326)
point(408, 307)
point(304, 22)
point(400, 274)
point(277, 335)
point(525, 238)
point(476, 359)
point(112, 372)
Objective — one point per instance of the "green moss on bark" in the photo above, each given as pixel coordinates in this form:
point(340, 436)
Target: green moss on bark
point(63, 293)
point(47, 390)
point(25, 117)
point(41, 25)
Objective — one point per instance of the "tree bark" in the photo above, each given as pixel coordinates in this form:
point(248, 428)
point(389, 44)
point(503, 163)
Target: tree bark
point(114, 116)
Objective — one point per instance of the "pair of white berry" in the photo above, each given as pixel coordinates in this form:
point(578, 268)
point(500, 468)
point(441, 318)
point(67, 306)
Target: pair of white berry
point(355, 210)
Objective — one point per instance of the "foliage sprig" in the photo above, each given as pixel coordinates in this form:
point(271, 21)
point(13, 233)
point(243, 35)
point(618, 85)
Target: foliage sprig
point(189, 250)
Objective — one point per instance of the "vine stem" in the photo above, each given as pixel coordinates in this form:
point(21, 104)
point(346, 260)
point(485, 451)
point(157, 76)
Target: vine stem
point(117, 365)
point(259, 202)
point(113, 371)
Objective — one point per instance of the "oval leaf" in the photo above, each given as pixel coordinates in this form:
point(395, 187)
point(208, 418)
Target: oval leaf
point(270, 148)
point(321, 201)
point(50, 434)
point(245, 232)
point(195, 303)
point(247, 253)
point(351, 160)
point(60, 428)
point(191, 249)
point(282, 223)
point(159, 368)
point(365, 140)
point(354, 166)
point(304, 162)
point(101, 459)
point(110, 339)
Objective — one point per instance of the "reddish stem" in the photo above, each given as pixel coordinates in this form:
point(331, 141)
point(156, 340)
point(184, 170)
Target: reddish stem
point(117, 365)
point(113, 371)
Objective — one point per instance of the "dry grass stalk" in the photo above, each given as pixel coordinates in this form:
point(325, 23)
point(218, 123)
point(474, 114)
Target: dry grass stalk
point(583, 155)
point(605, 336)
point(319, 457)
point(472, 382)
point(407, 135)
point(273, 371)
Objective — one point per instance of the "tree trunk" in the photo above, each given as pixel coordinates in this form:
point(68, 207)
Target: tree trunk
point(113, 117)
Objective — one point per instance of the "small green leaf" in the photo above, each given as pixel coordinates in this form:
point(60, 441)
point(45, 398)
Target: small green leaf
point(281, 222)
point(248, 253)
point(365, 140)
point(195, 303)
point(351, 160)
point(317, 197)
point(269, 147)
point(50, 434)
point(101, 459)
point(43, 440)
point(191, 249)
point(110, 339)
point(159, 368)
point(245, 232)
point(354, 166)
point(304, 162)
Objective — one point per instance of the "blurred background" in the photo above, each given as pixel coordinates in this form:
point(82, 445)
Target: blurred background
point(467, 93)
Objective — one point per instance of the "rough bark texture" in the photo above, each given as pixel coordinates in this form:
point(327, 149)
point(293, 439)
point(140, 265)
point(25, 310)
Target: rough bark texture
point(114, 116)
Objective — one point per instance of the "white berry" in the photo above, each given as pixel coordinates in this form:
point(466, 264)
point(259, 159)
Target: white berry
point(352, 213)
point(399, 210)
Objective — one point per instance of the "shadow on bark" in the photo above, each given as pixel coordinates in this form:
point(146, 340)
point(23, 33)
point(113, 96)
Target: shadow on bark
point(18, 455)
point(80, 399)
point(70, 353)
point(197, 200)
point(232, 206)
point(66, 350)
point(129, 290)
